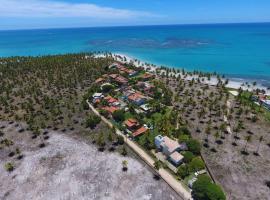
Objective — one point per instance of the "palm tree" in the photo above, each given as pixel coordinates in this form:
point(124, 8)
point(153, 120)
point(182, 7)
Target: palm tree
point(258, 147)
point(248, 139)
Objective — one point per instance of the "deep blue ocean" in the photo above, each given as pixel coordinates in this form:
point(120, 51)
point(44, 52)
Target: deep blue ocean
point(236, 50)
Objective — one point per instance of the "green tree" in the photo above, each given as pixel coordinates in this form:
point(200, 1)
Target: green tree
point(183, 171)
point(92, 121)
point(188, 156)
point(157, 165)
point(194, 146)
point(204, 189)
point(119, 115)
point(9, 167)
point(196, 164)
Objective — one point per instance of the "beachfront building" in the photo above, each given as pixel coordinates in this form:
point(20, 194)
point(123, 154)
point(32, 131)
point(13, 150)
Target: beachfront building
point(124, 70)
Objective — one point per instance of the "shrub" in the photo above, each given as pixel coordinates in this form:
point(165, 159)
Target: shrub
point(188, 156)
point(183, 171)
point(104, 113)
point(92, 121)
point(9, 167)
point(196, 164)
point(194, 146)
point(120, 139)
point(107, 88)
point(204, 189)
point(119, 115)
point(183, 138)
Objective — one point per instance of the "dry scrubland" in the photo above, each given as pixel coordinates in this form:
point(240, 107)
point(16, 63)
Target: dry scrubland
point(230, 155)
point(68, 167)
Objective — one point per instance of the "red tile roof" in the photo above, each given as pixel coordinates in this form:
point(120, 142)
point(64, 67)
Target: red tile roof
point(135, 97)
point(121, 79)
point(147, 76)
point(110, 99)
point(113, 76)
point(131, 123)
point(110, 109)
point(140, 131)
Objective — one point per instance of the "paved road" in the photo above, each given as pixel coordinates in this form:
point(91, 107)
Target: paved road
point(165, 175)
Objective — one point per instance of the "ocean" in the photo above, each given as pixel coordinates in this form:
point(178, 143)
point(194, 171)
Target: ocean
point(239, 51)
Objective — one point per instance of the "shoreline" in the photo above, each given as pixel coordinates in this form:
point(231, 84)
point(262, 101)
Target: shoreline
point(245, 84)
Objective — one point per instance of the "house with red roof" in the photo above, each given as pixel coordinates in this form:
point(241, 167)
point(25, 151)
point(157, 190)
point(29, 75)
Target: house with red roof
point(110, 100)
point(110, 109)
point(137, 98)
point(139, 131)
point(148, 76)
point(131, 124)
point(118, 79)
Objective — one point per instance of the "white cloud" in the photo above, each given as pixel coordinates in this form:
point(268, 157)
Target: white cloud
point(49, 8)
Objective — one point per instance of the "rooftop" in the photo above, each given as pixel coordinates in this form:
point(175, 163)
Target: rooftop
point(177, 157)
point(110, 109)
point(171, 144)
point(140, 131)
point(131, 122)
point(110, 99)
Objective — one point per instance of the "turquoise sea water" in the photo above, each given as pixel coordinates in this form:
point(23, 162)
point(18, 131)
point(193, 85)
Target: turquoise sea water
point(236, 50)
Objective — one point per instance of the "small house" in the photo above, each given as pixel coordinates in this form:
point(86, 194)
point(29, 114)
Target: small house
point(140, 131)
point(131, 124)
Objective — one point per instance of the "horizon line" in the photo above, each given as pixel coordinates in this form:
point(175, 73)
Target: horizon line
point(139, 25)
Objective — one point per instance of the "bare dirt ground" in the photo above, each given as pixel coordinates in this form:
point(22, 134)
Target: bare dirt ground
point(69, 168)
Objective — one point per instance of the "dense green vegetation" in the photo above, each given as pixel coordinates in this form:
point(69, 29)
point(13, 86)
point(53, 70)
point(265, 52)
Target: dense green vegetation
point(204, 189)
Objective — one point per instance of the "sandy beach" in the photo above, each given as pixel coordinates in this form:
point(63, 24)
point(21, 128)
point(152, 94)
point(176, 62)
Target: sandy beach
point(244, 84)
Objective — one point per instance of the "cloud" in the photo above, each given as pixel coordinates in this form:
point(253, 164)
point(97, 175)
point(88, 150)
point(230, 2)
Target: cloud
point(49, 8)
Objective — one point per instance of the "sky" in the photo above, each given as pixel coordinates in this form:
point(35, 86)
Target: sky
point(32, 14)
